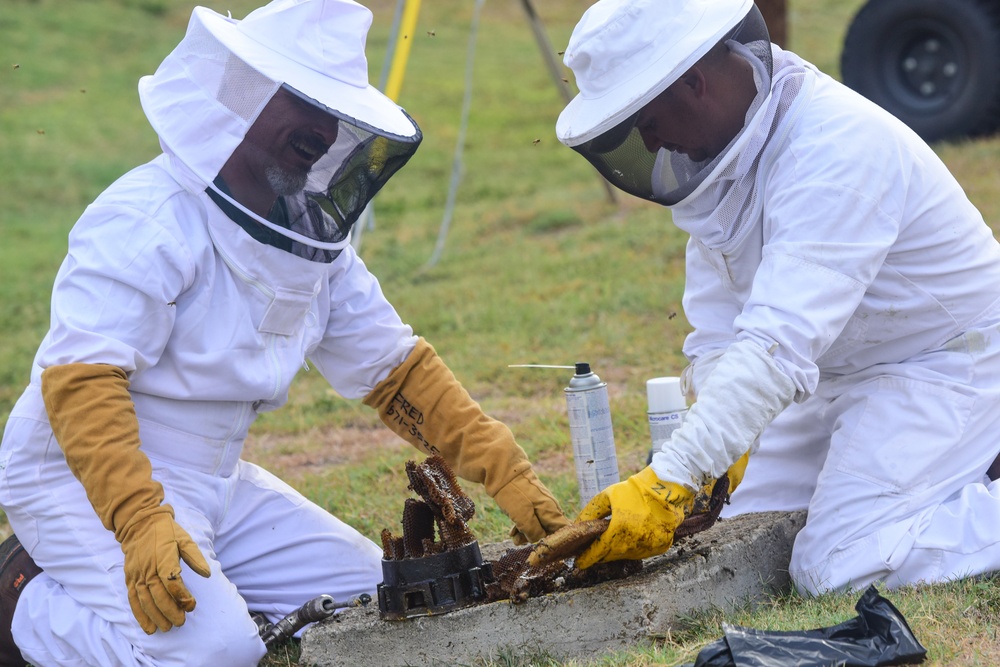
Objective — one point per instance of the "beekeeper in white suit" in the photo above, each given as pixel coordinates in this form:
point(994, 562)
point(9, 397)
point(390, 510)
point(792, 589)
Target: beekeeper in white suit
point(844, 296)
point(194, 290)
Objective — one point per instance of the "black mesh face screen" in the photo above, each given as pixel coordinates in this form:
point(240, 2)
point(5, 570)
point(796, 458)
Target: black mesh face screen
point(319, 166)
point(621, 155)
point(371, 164)
point(627, 166)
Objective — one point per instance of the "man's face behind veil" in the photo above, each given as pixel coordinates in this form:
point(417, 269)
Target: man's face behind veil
point(282, 145)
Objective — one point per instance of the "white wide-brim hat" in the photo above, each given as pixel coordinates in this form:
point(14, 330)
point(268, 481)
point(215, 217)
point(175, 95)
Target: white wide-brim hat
point(316, 47)
point(626, 52)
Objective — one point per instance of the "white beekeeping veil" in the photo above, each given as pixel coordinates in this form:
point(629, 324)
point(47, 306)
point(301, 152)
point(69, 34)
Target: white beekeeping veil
point(624, 53)
point(211, 89)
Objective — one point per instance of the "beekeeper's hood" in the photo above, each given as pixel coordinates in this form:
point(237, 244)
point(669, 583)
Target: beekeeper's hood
point(210, 90)
point(624, 53)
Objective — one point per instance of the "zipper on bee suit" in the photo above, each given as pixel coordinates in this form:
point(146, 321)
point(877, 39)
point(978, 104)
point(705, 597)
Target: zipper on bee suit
point(243, 418)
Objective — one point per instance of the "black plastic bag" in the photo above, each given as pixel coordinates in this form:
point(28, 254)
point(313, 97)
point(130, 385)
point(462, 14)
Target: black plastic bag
point(878, 636)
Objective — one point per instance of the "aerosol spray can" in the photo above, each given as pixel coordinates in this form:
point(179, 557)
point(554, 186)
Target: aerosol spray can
point(591, 432)
point(667, 407)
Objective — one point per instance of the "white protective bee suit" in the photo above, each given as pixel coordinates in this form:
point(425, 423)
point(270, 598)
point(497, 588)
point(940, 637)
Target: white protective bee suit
point(210, 326)
point(845, 300)
point(880, 283)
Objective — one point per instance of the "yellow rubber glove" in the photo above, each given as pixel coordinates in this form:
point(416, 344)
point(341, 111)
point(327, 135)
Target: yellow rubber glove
point(736, 471)
point(735, 475)
point(423, 402)
point(645, 512)
point(93, 420)
point(708, 504)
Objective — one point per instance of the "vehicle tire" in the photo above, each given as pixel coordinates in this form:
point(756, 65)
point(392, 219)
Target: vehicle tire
point(934, 64)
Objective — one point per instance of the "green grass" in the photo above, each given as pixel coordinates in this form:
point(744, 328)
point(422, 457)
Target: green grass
point(539, 267)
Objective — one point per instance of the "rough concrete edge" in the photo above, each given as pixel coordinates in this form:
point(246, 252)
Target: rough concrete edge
point(739, 561)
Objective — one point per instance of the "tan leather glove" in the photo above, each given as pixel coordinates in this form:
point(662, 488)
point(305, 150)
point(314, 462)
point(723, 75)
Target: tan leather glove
point(532, 508)
point(93, 419)
point(645, 511)
point(423, 402)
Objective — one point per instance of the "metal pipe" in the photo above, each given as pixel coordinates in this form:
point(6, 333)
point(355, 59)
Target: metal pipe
point(317, 609)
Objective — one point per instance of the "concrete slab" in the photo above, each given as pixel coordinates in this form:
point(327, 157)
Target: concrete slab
point(739, 560)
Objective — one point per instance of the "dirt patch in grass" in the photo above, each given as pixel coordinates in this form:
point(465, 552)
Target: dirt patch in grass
point(292, 456)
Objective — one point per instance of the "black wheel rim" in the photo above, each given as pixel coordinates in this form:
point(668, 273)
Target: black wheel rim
point(925, 65)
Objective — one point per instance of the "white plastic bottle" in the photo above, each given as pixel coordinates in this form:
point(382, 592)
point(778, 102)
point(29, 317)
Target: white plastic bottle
point(667, 407)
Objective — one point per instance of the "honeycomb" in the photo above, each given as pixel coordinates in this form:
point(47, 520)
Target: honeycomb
point(442, 505)
point(443, 508)
point(521, 572)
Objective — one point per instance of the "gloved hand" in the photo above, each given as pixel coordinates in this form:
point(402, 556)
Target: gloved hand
point(737, 471)
point(532, 508)
point(645, 511)
point(709, 501)
point(705, 499)
point(154, 544)
point(93, 420)
point(423, 402)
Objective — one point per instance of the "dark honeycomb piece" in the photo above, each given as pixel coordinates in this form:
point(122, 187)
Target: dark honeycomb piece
point(706, 510)
point(443, 504)
point(436, 484)
point(418, 528)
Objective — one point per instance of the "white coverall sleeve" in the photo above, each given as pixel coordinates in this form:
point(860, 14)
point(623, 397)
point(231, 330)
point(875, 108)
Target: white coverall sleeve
point(365, 338)
point(112, 300)
point(708, 306)
point(711, 310)
point(828, 229)
point(742, 395)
